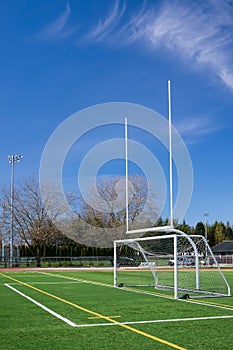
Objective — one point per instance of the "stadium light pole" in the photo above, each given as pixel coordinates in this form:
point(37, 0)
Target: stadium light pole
point(12, 159)
point(3, 255)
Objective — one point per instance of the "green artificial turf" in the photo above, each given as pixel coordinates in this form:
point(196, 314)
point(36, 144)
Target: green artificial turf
point(87, 298)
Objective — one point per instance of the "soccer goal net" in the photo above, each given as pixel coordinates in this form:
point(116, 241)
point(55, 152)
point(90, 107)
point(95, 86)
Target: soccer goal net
point(177, 263)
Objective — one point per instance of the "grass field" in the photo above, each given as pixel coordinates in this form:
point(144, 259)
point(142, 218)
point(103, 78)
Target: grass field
point(52, 309)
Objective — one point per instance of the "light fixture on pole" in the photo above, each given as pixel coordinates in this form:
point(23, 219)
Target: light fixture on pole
point(206, 232)
point(12, 159)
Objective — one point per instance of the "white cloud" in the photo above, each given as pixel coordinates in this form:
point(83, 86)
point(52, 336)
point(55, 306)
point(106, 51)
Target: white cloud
point(195, 125)
point(57, 26)
point(122, 26)
point(109, 24)
point(198, 32)
point(192, 128)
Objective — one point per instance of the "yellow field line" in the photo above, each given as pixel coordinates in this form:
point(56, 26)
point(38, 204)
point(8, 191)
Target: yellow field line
point(134, 330)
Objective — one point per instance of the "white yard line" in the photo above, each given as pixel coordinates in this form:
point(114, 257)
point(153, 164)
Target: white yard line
point(30, 282)
point(70, 323)
point(155, 321)
point(26, 275)
point(76, 279)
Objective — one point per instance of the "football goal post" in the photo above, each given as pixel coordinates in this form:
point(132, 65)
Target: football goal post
point(176, 263)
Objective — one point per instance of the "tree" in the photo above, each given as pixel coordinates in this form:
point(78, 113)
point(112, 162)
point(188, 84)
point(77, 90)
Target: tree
point(200, 229)
point(102, 217)
point(228, 231)
point(31, 222)
point(219, 232)
point(211, 235)
point(184, 228)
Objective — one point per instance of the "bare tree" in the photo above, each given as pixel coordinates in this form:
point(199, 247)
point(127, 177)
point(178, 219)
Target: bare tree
point(31, 222)
point(102, 216)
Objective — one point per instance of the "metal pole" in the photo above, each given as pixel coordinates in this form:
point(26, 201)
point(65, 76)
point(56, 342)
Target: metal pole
point(206, 232)
point(170, 152)
point(3, 249)
point(12, 159)
point(175, 268)
point(12, 214)
point(126, 177)
point(115, 264)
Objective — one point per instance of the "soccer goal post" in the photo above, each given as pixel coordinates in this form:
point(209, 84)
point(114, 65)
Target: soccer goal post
point(179, 264)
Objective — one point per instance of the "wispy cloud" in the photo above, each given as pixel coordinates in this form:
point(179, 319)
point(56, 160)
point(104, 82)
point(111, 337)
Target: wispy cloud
point(194, 128)
point(123, 26)
point(56, 27)
point(198, 32)
point(106, 27)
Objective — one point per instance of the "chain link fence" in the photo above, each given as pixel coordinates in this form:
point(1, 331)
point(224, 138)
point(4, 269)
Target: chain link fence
point(84, 261)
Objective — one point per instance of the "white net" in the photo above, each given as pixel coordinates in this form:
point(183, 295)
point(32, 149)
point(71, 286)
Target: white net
point(178, 264)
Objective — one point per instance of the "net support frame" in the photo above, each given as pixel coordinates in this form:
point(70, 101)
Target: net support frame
point(174, 235)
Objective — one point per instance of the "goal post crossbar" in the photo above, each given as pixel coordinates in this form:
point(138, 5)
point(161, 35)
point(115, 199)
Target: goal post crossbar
point(131, 240)
point(151, 229)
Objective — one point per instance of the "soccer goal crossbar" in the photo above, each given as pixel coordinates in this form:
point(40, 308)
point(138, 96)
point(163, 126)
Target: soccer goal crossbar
point(181, 264)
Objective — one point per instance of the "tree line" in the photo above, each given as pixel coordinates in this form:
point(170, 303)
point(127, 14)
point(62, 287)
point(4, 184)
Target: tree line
point(42, 224)
point(68, 248)
point(216, 232)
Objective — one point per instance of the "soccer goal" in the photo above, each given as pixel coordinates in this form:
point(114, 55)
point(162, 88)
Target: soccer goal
point(179, 264)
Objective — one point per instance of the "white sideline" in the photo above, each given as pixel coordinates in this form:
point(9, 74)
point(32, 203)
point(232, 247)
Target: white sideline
point(70, 323)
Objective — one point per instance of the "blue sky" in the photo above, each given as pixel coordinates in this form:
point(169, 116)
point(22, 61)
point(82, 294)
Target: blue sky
point(59, 57)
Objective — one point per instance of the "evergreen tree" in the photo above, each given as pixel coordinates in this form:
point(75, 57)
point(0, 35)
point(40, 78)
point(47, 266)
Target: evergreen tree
point(185, 228)
point(200, 229)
